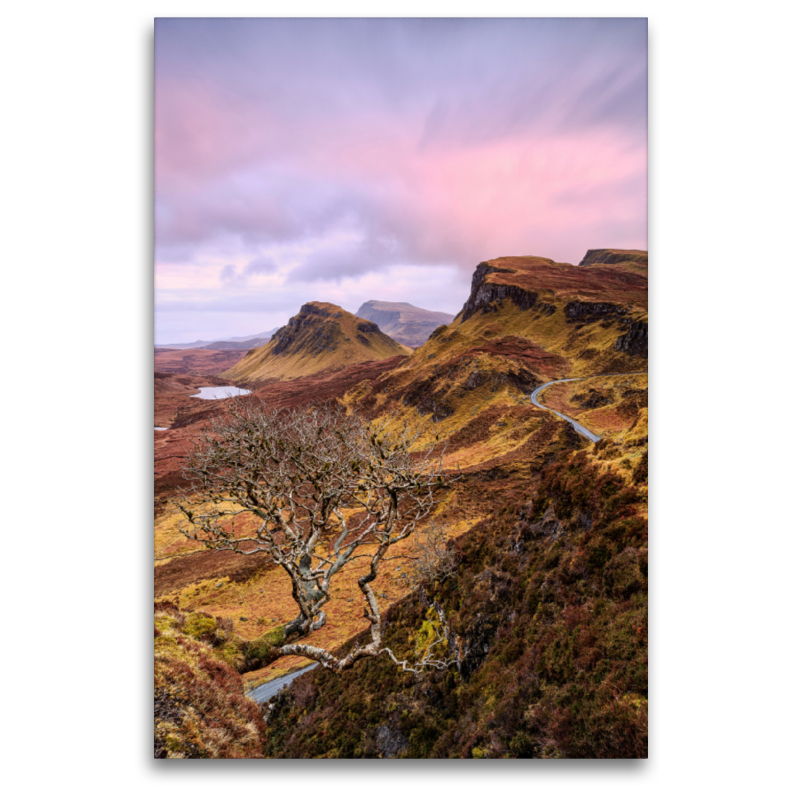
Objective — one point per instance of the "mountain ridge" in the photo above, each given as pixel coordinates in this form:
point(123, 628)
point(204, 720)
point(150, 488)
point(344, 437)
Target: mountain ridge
point(231, 342)
point(320, 337)
point(550, 529)
point(405, 323)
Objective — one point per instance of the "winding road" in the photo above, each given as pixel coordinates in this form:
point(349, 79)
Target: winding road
point(575, 424)
point(269, 689)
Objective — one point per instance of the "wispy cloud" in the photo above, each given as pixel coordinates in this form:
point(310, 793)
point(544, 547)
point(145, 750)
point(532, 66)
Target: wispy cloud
point(357, 147)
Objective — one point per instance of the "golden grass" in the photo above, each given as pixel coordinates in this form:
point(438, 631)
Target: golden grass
point(348, 348)
point(612, 418)
point(259, 603)
point(168, 541)
point(263, 601)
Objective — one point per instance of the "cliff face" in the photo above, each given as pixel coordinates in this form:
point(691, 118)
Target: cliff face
point(589, 304)
point(320, 337)
point(634, 342)
point(591, 312)
point(407, 324)
point(530, 280)
point(483, 294)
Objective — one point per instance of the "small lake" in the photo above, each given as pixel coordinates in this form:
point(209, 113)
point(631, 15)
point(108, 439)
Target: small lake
point(219, 392)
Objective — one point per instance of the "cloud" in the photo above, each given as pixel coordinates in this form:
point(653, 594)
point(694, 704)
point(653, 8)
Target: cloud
point(229, 276)
point(184, 316)
point(263, 265)
point(313, 152)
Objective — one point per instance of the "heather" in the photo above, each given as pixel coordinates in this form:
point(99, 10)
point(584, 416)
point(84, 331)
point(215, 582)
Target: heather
point(548, 619)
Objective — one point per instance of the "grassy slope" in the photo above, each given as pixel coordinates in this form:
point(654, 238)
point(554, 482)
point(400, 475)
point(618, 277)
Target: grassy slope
point(200, 708)
point(604, 405)
point(478, 373)
point(549, 620)
point(321, 343)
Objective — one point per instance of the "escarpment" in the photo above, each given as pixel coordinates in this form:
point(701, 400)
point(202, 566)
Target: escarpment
point(592, 312)
point(614, 257)
point(485, 295)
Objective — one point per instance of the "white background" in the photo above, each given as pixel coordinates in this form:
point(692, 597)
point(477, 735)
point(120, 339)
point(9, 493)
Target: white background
point(77, 447)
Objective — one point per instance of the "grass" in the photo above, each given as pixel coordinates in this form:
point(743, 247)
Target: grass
point(170, 542)
point(259, 603)
point(200, 707)
point(625, 395)
point(501, 441)
point(549, 614)
point(345, 346)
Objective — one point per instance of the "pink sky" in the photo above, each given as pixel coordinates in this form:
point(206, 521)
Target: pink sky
point(349, 160)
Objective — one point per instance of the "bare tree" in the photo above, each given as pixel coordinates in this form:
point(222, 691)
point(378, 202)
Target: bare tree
point(324, 490)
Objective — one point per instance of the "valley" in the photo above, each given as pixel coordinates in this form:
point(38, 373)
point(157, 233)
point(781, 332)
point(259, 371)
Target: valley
point(196, 361)
point(549, 527)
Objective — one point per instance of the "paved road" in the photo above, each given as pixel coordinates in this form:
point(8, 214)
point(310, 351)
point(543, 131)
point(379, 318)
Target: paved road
point(269, 689)
point(578, 427)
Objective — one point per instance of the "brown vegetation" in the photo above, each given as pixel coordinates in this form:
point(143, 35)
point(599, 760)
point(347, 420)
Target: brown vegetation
point(203, 361)
point(469, 384)
point(200, 707)
point(320, 337)
point(548, 621)
point(173, 396)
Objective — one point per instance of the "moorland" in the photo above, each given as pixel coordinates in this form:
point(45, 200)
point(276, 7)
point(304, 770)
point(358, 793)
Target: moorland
point(545, 597)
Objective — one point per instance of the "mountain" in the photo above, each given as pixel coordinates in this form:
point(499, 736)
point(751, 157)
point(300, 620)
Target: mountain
point(405, 323)
point(548, 610)
point(232, 342)
point(321, 337)
point(527, 321)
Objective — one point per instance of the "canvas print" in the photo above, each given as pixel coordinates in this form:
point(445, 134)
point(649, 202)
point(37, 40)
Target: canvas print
point(400, 388)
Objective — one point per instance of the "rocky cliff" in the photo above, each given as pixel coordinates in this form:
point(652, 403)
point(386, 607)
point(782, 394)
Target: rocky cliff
point(485, 295)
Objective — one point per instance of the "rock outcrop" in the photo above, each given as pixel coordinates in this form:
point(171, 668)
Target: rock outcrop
point(484, 295)
point(577, 311)
point(634, 342)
